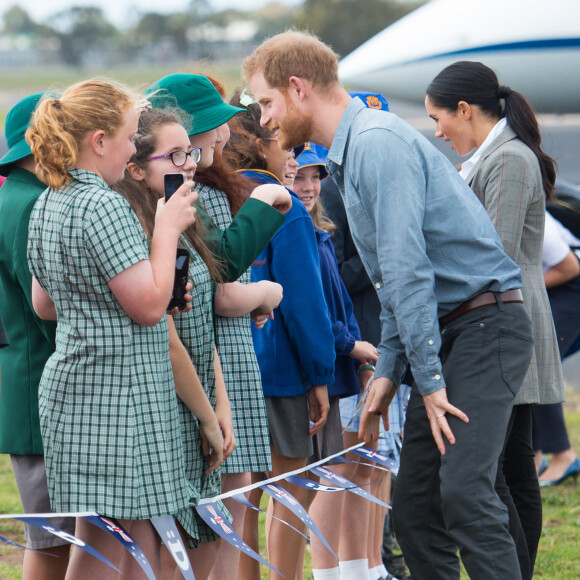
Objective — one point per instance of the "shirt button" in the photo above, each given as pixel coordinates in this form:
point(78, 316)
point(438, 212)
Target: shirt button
point(437, 377)
point(430, 342)
point(378, 285)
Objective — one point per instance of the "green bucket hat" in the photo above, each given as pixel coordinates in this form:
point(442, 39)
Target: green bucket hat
point(17, 121)
point(196, 96)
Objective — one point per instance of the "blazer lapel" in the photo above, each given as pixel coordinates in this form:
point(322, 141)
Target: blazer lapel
point(506, 135)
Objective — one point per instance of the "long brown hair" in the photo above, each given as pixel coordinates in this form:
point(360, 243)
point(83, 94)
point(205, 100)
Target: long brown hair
point(143, 200)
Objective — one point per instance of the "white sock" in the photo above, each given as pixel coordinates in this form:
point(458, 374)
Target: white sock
point(326, 574)
point(375, 573)
point(354, 570)
point(383, 572)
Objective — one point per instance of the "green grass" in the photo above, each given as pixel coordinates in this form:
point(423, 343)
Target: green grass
point(558, 556)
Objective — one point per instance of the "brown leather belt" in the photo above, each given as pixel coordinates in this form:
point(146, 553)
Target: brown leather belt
point(479, 301)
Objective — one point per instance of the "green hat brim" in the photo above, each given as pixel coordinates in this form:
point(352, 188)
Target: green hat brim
point(18, 151)
point(213, 117)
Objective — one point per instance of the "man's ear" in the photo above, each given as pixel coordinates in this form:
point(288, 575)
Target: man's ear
point(464, 110)
point(298, 86)
point(136, 172)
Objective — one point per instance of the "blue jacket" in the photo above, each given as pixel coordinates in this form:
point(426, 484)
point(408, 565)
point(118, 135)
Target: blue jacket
point(295, 350)
point(344, 324)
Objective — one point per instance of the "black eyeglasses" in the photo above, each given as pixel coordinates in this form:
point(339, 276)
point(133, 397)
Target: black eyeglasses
point(179, 158)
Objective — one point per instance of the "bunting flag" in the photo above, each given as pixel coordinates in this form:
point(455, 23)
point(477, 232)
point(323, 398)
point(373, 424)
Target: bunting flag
point(243, 500)
point(372, 465)
point(121, 535)
point(367, 453)
point(289, 501)
point(167, 530)
point(11, 543)
point(41, 522)
point(213, 516)
point(311, 484)
point(210, 512)
point(334, 477)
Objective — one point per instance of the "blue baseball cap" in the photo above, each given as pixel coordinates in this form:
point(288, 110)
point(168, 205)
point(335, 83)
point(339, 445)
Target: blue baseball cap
point(371, 100)
point(313, 155)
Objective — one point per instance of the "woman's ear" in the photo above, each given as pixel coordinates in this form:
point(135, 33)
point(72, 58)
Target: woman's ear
point(136, 172)
point(464, 110)
point(260, 147)
point(97, 142)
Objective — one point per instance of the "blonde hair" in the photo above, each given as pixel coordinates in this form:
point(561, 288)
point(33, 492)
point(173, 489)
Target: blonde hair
point(59, 125)
point(293, 53)
point(320, 219)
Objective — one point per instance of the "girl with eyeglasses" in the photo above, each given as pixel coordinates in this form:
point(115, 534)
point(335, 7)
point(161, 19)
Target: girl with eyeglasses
point(108, 412)
point(228, 197)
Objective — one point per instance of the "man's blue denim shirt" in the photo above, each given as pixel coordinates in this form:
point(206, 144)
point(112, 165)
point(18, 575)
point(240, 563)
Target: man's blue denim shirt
point(426, 241)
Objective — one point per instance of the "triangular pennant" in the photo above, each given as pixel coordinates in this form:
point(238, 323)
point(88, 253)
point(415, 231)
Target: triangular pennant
point(44, 524)
point(167, 530)
point(378, 457)
point(311, 484)
point(337, 479)
point(289, 501)
point(121, 535)
point(216, 520)
point(243, 500)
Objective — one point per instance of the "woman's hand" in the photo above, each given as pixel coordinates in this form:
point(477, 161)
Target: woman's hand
point(365, 352)
point(178, 213)
point(223, 413)
point(272, 296)
point(212, 443)
point(275, 195)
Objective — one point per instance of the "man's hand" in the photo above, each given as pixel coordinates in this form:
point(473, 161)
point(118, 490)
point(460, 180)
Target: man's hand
point(379, 398)
point(437, 405)
point(319, 407)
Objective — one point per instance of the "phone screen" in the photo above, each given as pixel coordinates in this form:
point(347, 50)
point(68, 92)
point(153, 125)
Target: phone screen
point(180, 281)
point(173, 181)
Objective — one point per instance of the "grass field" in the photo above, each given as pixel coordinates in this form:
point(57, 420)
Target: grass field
point(558, 556)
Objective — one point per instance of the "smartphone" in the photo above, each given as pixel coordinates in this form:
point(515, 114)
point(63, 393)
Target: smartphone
point(173, 181)
point(181, 274)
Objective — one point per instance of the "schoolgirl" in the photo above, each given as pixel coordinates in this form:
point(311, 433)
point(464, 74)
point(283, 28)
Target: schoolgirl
point(108, 411)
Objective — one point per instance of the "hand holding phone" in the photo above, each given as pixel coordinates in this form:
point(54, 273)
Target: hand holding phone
point(173, 181)
point(181, 274)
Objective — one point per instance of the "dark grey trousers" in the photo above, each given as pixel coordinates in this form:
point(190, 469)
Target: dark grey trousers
point(447, 503)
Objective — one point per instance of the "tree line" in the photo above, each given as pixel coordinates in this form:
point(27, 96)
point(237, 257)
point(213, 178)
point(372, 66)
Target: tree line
point(343, 24)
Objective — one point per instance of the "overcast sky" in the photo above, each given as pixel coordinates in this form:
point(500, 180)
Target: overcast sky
point(123, 11)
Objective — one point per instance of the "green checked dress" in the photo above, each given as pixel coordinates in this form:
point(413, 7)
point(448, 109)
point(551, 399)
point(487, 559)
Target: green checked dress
point(240, 368)
point(196, 331)
point(108, 409)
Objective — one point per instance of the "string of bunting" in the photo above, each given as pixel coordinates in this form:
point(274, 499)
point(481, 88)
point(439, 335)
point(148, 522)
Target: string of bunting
point(211, 512)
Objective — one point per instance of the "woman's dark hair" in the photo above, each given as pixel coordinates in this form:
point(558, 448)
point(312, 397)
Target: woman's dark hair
point(143, 201)
point(241, 151)
point(477, 84)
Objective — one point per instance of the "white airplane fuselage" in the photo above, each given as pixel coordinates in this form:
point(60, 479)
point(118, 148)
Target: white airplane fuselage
point(532, 45)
